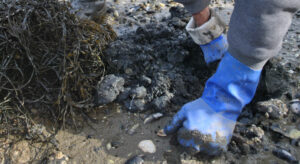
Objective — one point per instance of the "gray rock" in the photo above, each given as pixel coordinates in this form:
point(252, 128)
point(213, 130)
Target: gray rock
point(274, 107)
point(139, 92)
point(110, 88)
point(135, 105)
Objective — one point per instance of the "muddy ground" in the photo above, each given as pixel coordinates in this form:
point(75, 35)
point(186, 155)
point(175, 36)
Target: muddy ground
point(154, 67)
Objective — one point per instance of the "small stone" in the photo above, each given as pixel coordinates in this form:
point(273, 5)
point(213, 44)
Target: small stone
point(136, 105)
point(147, 146)
point(135, 160)
point(116, 13)
point(295, 106)
point(110, 88)
point(139, 92)
point(108, 146)
point(274, 107)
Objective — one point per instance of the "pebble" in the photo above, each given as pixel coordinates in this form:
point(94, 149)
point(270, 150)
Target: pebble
point(116, 13)
point(108, 146)
point(295, 106)
point(135, 160)
point(147, 146)
point(134, 105)
point(139, 92)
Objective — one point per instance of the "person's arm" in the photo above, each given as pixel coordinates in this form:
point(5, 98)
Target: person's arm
point(206, 29)
point(194, 6)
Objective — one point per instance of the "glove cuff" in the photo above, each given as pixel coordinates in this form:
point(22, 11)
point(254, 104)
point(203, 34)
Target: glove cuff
point(209, 31)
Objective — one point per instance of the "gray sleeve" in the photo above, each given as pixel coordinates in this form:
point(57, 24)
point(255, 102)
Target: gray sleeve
point(257, 28)
point(194, 6)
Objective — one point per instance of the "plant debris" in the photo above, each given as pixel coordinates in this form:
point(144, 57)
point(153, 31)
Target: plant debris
point(50, 60)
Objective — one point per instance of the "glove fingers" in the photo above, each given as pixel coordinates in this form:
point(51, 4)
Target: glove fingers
point(195, 145)
point(176, 123)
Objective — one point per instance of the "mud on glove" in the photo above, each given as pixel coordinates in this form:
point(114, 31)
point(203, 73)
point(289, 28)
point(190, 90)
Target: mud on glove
point(206, 124)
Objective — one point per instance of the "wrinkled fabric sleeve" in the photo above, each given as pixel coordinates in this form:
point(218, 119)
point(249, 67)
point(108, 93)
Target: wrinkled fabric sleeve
point(257, 28)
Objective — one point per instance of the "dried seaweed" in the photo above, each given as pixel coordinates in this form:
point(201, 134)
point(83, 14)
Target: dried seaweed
point(50, 60)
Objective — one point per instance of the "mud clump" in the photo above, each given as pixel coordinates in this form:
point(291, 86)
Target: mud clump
point(255, 133)
point(162, 58)
point(274, 108)
point(204, 142)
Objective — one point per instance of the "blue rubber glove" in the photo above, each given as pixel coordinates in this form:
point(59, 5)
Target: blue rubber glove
point(206, 124)
point(214, 50)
